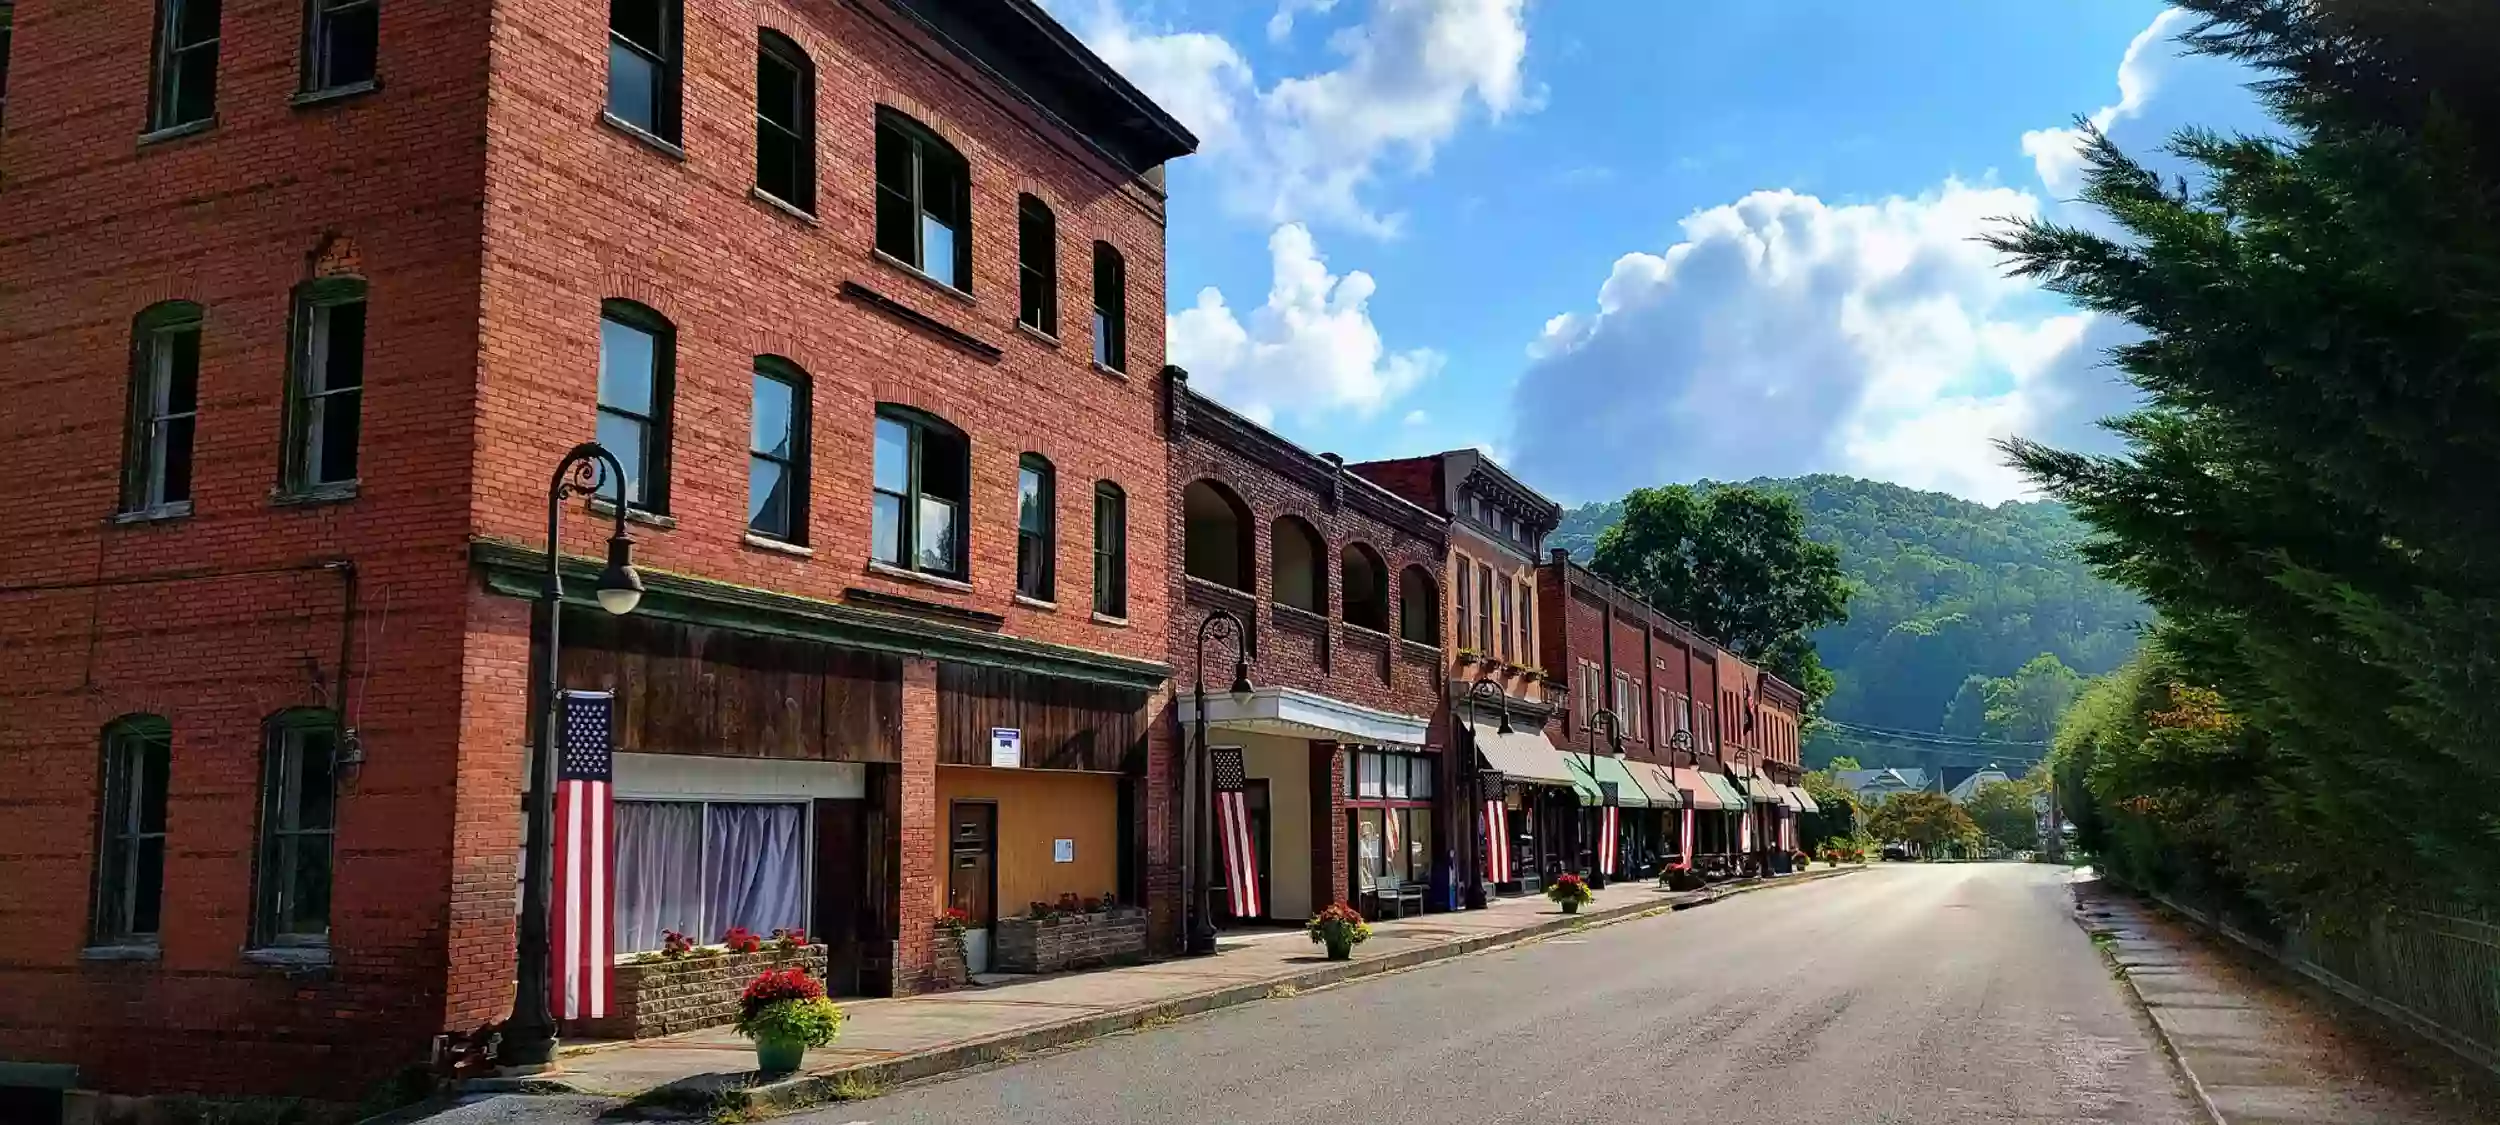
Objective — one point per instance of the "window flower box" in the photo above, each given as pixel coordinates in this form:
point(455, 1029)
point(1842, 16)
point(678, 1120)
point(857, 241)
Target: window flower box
point(1069, 940)
point(666, 995)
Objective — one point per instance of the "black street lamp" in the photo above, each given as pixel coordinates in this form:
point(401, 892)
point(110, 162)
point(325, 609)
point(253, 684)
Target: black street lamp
point(1197, 815)
point(1614, 738)
point(530, 1038)
point(1501, 702)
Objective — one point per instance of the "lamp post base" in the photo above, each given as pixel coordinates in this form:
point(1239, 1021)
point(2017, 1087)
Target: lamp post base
point(1201, 942)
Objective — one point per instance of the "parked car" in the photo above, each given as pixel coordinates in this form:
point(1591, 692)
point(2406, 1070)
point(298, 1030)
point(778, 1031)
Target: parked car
point(1896, 853)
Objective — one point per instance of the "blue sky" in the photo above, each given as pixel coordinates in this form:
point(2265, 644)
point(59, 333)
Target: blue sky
point(1631, 242)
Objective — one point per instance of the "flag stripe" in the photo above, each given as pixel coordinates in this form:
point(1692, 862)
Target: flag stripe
point(582, 909)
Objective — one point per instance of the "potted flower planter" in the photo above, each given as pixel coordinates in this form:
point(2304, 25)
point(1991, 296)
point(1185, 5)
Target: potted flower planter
point(786, 1012)
point(1339, 928)
point(1568, 891)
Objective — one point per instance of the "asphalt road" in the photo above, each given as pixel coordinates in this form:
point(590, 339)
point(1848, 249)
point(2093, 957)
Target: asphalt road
point(1913, 994)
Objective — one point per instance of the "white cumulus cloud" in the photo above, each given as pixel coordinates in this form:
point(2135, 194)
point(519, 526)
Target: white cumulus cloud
point(2057, 153)
point(1785, 334)
point(1311, 349)
point(1310, 148)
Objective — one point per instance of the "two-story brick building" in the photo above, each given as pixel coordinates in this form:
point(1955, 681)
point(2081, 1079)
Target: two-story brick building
point(1333, 580)
point(300, 306)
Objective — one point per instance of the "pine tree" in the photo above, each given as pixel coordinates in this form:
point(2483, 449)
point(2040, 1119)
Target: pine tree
point(2306, 494)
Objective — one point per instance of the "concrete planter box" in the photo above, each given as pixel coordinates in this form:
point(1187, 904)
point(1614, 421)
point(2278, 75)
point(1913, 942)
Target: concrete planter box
point(657, 998)
point(1078, 941)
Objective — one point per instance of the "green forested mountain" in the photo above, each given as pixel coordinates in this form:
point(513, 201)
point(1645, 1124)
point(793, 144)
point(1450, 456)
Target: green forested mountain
point(1945, 589)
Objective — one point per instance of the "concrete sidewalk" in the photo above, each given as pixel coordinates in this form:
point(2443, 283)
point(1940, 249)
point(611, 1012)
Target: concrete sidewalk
point(2256, 1051)
point(899, 1040)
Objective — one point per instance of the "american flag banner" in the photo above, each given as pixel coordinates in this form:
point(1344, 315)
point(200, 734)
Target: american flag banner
point(1389, 833)
point(1607, 827)
point(582, 928)
point(1232, 830)
point(1496, 840)
point(1744, 830)
point(1687, 816)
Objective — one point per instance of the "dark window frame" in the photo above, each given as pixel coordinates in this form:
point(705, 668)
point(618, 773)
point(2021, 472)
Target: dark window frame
point(658, 426)
point(775, 49)
point(795, 464)
point(924, 144)
point(1428, 622)
point(1037, 266)
point(281, 834)
point(147, 461)
point(167, 75)
point(323, 24)
point(8, 33)
point(316, 303)
point(920, 425)
point(1111, 560)
point(668, 60)
point(1037, 549)
point(122, 833)
point(1110, 319)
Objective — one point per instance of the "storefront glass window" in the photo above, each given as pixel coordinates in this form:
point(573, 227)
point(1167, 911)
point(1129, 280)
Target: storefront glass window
point(701, 868)
point(1367, 777)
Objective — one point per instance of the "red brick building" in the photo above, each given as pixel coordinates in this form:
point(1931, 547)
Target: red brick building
point(1495, 670)
point(295, 321)
point(1334, 579)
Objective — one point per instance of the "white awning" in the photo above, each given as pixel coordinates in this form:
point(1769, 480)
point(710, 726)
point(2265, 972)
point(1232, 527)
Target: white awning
point(1294, 713)
point(1521, 755)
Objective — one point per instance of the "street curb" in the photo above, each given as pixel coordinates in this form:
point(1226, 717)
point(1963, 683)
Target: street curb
point(2161, 1032)
point(789, 1095)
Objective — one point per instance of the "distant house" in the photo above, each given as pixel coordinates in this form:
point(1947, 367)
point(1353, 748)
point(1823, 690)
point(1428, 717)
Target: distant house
point(1870, 787)
point(1969, 787)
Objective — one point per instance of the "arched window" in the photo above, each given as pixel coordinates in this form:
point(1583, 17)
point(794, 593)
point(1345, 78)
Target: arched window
point(1110, 550)
point(924, 201)
point(1295, 562)
point(785, 121)
point(1110, 308)
point(1037, 527)
point(637, 383)
point(1037, 266)
point(298, 802)
point(164, 409)
point(130, 845)
point(922, 485)
point(1419, 607)
point(777, 452)
point(1366, 588)
point(1215, 535)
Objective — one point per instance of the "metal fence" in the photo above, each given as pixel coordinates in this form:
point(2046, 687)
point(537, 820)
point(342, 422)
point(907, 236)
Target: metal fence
point(2436, 971)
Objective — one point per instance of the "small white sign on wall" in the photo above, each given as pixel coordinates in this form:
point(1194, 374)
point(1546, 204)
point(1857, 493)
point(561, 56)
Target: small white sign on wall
point(1063, 851)
point(1006, 748)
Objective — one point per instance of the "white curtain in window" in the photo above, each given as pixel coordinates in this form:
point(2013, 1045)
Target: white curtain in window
point(659, 872)
point(758, 869)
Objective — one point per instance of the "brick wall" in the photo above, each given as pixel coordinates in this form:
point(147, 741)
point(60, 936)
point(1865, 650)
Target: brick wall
point(489, 230)
point(95, 227)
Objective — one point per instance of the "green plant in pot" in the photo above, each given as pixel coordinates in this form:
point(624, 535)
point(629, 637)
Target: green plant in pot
point(785, 1011)
point(1569, 891)
point(1340, 929)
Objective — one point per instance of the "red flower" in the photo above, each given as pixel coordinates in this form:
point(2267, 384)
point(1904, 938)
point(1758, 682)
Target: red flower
point(779, 985)
point(740, 941)
point(1336, 913)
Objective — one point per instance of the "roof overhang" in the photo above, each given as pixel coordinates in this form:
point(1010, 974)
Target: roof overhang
point(1294, 713)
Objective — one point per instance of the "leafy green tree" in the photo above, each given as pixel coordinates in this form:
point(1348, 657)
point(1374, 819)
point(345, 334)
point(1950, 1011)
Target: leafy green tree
point(1735, 563)
point(2025, 706)
point(1967, 715)
point(2305, 494)
point(1842, 762)
point(1924, 818)
point(2005, 813)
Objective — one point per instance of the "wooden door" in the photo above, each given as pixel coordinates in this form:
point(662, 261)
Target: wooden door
point(842, 914)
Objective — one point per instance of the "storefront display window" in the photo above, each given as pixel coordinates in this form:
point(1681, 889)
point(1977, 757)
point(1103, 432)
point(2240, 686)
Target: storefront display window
point(700, 868)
